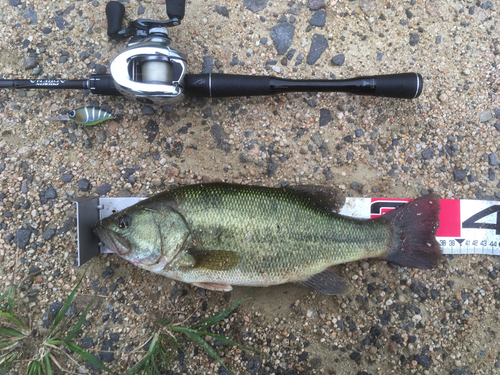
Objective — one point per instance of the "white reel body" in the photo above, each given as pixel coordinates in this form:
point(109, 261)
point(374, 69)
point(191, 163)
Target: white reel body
point(150, 71)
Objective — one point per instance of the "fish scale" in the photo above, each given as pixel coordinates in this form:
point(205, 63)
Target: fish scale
point(245, 235)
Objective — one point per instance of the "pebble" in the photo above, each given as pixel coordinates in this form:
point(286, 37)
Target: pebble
point(53, 310)
point(48, 234)
point(318, 45)
point(30, 62)
point(325, 117)
point(255, 5)
point(316, 4)
point(87, 343)
point(67, 177)
point(428, 154)
point(271, 168)
point(84, 185)
point(485, 116)
point(222, 11)
point(423, 360)
point(492, 159)
point(443, 98)
point(103, 189)
point(414, 39)
point(22, 238)
point(107, 273)
point(207, 65)
point(107, 351)
point(282, 36)
point(254, 365)
point(318, 18)
point(61, 23)
point(338, 59)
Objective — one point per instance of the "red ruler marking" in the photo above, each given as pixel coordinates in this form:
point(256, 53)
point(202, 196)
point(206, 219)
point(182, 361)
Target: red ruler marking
point(449, 217)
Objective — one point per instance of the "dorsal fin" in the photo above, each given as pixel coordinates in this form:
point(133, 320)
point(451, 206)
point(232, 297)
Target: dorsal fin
point(326, 197)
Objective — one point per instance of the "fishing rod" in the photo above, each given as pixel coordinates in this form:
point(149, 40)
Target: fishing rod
point(151, 71)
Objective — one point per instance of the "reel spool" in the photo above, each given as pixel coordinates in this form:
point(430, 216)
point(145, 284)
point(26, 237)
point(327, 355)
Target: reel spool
point(149, 70)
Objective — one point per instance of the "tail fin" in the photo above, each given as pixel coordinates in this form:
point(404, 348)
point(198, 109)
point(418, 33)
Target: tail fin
point(414, 226)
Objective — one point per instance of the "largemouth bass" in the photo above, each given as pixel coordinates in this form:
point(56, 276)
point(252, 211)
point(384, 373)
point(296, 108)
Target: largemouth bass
point(218, 235)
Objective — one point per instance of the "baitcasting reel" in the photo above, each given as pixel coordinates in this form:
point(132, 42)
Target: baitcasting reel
point(149, 70)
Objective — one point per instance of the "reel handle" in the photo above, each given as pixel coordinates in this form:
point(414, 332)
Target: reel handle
point(114, 13)
point(176, 9)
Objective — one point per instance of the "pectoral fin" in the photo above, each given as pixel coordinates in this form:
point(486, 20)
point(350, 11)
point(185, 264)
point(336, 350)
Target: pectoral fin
point(214, 286)
point(217, 260)
point(326, 282)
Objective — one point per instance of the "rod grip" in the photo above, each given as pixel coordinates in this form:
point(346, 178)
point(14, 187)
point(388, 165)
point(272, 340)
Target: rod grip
point(114, 13)
point(226, 85)
point(403, 85)
point(176, 9)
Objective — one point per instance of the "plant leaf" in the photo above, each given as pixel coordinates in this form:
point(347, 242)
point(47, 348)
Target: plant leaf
point(11, 294)
point(79, 324)
point(87, 356)
point(229, 341)
point(10, 332)
point(53, 341)
point(3, 296)
point(14, 320)
point(153, 348)
point(66, 305)
point(218, 337)
point(194, 337)
point(163, 351)
point(209, 322)
point(6, 361)
point(47, 367)
point(7, 344)
point(165, 322)
point(34, 368)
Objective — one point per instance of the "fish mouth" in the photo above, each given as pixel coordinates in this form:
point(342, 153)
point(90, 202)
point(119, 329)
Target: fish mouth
point(114, 241)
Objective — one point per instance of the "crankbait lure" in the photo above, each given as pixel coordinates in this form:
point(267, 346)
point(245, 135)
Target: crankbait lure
point(87, 116)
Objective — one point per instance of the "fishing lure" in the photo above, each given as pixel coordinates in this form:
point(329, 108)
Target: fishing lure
point(87, 116)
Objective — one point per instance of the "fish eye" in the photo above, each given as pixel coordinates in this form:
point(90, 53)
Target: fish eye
point(72, 113)
point(124, 222)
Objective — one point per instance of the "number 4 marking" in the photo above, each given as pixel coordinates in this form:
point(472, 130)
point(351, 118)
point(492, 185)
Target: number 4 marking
point(472, 221)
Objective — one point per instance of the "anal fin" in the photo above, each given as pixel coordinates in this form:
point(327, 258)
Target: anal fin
point(326, 282)
point(214, 286)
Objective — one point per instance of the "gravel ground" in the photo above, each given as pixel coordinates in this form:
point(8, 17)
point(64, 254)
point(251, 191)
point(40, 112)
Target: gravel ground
point(395, 320)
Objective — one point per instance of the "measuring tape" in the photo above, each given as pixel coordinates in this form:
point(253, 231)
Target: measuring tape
point(466, 226)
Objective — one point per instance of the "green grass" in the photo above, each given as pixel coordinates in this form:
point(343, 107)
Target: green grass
point(169, 338)
point(166, 339)
point(13, 331)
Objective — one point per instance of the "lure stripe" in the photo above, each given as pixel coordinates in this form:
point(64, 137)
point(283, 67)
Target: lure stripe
point(89, 116)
